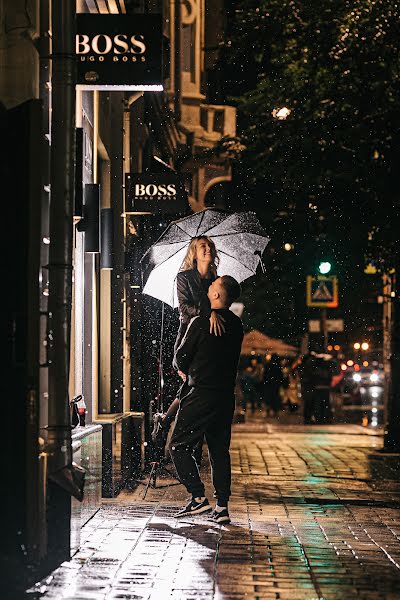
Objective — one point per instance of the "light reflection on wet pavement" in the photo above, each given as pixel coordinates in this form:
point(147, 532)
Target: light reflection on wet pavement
point(315, 515)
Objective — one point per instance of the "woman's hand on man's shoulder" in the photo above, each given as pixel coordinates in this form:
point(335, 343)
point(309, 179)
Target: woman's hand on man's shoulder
point(217, 321)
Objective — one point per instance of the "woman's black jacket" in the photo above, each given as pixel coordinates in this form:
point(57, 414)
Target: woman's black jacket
point(192, 298)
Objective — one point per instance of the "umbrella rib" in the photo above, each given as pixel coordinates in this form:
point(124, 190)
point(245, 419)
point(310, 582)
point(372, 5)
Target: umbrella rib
point(201, 220)
point(234, 258)
point(168, 257)
point(176, 223)
point(162, 235)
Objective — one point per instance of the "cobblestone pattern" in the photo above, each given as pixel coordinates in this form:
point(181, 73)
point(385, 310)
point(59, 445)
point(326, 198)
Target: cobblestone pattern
point(315, 515)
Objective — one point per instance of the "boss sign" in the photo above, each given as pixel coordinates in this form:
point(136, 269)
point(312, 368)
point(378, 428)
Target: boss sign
point(121, 46)
point(151, 189)
point(119, 51)
point(151, 193)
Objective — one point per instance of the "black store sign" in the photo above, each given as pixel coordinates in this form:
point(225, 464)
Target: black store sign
point(119, 51)
point(156, 193)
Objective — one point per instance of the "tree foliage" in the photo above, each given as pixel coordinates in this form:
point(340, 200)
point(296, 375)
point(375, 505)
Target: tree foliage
point(335, 64)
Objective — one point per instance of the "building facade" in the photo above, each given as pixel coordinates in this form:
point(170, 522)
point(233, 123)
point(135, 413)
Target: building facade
point(76, 324)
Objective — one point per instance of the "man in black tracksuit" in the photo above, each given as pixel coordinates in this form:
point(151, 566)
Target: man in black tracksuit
point(209, 365)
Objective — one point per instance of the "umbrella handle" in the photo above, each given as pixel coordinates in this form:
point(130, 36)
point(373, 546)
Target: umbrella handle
point(160, 390)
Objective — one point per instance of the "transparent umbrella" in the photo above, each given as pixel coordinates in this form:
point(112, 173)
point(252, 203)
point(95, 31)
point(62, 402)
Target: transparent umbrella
point(238, 237)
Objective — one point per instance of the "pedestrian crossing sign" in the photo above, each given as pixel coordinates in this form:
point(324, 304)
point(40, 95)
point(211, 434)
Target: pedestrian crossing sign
point(322, 291)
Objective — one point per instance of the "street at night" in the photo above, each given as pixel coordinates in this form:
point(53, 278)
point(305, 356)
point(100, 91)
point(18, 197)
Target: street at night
point(201, 334)
point(315, 514)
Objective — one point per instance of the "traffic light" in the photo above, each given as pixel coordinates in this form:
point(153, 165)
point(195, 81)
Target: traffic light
point(324, 267)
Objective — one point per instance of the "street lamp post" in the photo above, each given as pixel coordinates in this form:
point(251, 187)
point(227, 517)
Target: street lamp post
point(324, 328)
point(386, 301)
point(324, 268)
point(392, 426)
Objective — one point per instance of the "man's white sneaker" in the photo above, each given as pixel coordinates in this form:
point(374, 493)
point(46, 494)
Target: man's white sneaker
point(194, 508)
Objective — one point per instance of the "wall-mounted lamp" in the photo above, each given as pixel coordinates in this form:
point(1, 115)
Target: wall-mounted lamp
point(78, 199)
point(107, 234)
point(90, 223)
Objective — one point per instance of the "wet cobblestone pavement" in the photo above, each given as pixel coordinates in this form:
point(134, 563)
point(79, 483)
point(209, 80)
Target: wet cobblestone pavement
point(315, 515)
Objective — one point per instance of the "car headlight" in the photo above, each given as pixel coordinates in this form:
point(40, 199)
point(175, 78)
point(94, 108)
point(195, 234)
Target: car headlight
point(374, 377)
point(357, 377)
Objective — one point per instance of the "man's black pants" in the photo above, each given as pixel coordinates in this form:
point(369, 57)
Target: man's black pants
point(206, 413)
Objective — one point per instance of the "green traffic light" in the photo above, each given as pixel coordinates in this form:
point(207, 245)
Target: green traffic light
point(324, 267)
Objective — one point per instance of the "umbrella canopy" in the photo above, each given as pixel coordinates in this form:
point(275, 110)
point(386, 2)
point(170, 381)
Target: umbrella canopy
point(238, 237)
point(255, 342)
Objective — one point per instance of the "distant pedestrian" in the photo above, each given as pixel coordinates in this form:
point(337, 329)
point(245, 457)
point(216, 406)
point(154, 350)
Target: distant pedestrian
point(305, 368)
point(316, 372)
point(247, 386)
point(258, 383)
point(322, 388)
point(273, 381)
point(292, 386)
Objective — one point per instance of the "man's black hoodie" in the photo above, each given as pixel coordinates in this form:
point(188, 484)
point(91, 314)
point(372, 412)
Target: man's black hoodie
point(208, 360)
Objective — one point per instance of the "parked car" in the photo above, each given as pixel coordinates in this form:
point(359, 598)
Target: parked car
point(368, 377)
point(363, 390)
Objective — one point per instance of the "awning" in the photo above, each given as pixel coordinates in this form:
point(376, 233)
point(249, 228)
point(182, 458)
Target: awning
point(255, 342)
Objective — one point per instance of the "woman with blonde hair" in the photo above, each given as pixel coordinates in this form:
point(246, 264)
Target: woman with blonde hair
point(198, 271)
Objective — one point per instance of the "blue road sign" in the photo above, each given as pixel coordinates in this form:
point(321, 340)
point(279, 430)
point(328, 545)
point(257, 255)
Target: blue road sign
point(322, 291)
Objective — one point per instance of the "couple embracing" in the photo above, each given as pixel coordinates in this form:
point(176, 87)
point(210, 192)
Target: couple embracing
point(206, 357)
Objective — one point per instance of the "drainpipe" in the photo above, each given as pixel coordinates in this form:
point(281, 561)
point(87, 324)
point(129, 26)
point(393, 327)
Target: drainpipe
point(62, 161)
point(178, 61)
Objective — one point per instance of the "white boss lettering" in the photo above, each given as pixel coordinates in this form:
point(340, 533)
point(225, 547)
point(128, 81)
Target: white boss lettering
point(104, 44)
point(152, 189)
point(137, 44)
point(82, 41)
point(95, 44)
point(171, 189)
point(140, 189)
point(120, 41)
